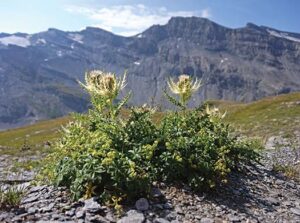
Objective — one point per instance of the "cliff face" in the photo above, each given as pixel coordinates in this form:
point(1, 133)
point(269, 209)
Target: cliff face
point(38, 72)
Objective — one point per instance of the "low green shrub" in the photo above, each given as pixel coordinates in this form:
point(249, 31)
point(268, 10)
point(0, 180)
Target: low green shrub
point(101, 154)
point(112, 157)
point(197, 149)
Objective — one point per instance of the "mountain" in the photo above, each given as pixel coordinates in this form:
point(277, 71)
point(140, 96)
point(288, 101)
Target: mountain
point(39, 72)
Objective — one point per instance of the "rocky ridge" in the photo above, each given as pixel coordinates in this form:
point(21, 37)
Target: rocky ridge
point(242, 64)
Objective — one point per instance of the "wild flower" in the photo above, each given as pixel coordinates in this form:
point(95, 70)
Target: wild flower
point(214, 112)
point(104, 84)
point(185, 87)
point(104, 88)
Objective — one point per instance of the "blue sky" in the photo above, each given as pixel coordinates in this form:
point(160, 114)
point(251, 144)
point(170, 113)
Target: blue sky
point(129, 17)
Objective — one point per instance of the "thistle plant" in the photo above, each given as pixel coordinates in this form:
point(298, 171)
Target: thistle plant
point(104, 87)
point(118, 159)
point(184, 87)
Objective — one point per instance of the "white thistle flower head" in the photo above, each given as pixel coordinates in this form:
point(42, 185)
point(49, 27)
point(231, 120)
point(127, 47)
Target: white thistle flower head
point(211, 111)
point(185, 87)
point(104, 84)
point(215, 112)
point(146, 108)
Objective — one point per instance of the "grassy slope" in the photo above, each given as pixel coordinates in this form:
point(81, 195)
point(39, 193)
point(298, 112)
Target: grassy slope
point(34, 135)
point(266, 117)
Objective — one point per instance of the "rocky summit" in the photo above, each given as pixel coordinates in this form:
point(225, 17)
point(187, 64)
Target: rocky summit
point(39, 72)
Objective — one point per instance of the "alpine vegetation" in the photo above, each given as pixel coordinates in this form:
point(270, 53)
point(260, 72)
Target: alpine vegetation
point(117, 158)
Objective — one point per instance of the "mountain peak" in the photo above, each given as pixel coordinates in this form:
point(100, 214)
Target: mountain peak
point(191, 21)
point(95, 30)
point(177, 19)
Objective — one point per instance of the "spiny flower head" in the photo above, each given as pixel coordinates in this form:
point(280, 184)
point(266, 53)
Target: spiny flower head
point(215, 112)
point(104, 84)
point(185, 87)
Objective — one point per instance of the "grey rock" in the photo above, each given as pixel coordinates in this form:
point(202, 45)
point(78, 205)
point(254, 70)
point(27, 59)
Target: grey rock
point(110, 216)
point(158, 206)
point(234, 218)
point(161, 220)
point(32, 210)
point(207, 220)
point(19, 218)
point(89, 217)
point(171, 216)
point(4, 216)
point(288, 203)
point(197, 217)
point(31, 199)
point(167, 206)
point(37, 189)
point(70, 212)
point(92, 206)
point(48, 208)
point(80, 214)
point(272, 201)
point(296, 211)
point(55, 216)
point(179, 210)
point(132, 217)
point(156, 192)
point(142, 204)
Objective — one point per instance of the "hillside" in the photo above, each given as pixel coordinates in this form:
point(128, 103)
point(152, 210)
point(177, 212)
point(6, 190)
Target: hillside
point(277, 115)
point(243, 64)
point(270, 116)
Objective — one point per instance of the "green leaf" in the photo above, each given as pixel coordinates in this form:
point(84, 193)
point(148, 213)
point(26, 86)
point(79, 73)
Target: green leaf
point(174, 101)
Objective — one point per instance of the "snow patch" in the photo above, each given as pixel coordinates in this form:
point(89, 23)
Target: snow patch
point(76, 37)
point(223, 60)
point(46, 59)
point(137, 63)
point(283, 35)
point(59, 53)
point(15, 40)
point(41, 41)
point(140, 36)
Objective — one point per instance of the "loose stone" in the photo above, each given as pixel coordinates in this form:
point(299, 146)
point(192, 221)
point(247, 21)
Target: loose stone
point(142, 204)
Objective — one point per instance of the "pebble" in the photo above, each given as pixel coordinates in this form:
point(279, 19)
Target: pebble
point(272, 201)
point(206, 220)
point(31, 199)
point(156, 192)
point(80, 214)
point(296, 211)
point(91, 205)
point(132, 217)
point(161, 220)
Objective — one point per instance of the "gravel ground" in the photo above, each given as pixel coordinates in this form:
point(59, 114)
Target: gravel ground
point(257, 194)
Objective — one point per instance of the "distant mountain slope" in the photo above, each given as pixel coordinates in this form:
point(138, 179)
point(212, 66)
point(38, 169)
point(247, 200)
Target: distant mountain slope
point(38, 72)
